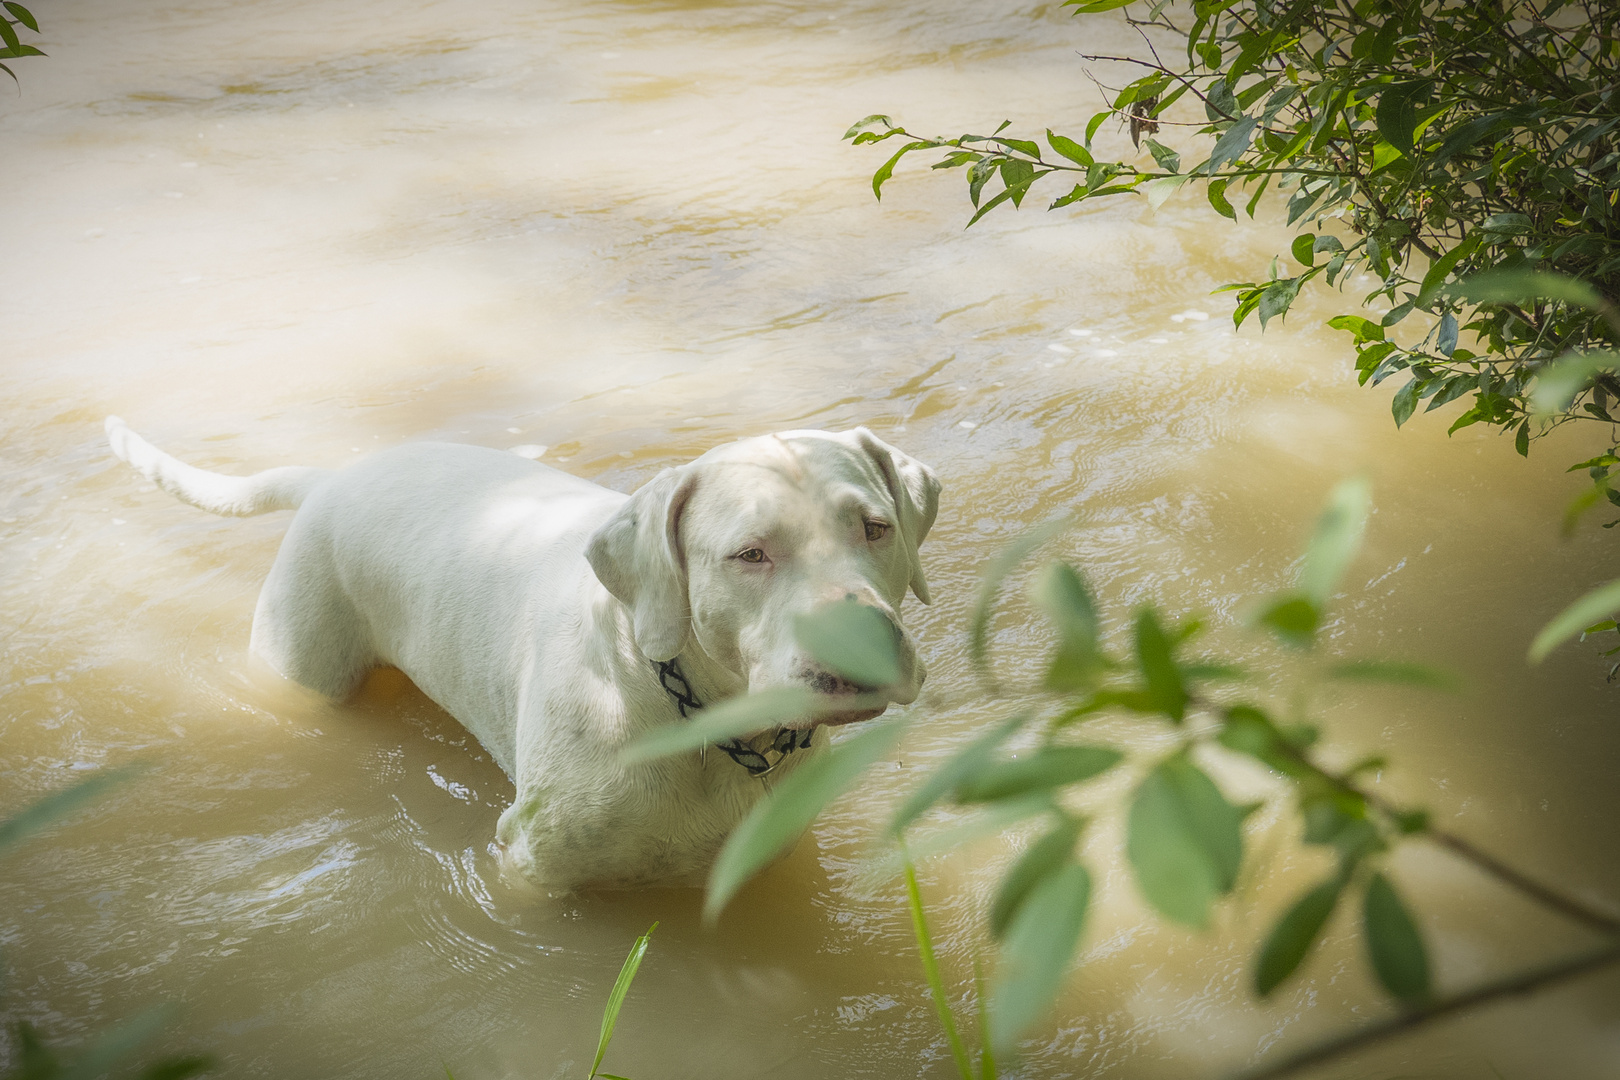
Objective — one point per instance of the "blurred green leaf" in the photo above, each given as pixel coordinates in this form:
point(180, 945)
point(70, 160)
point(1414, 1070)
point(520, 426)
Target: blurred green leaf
point(1006, 560)
point(1039, 947)
point(936, 984)
point(1184, 840)
point(1559, 382)
point(733, 717)
point(1517, 286)
point(1293, 617)
point(1159, 670)
point(1394, 944)
point(111, 1046)
point(59, 804)
point(1337, 539)
point(1060, 592)
point(1294, 935)
point(1040, 770)
point(1600, 602)
point(1044, 858)
point(180, 1068)
point(621, 987)
point(970, 759)
point(1393, 671)
point(854, 639)
point(776, 822)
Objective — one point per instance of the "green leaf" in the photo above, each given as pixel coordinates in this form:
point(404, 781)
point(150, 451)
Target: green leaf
point(1060, 592)
point(180, 1068)
point(776, 822)
point(995, 573)
point(1439, 271)
point(1405, 400)
point(1070, 149)
point(1304, 249)
point(9, 35)
point(1215, 191)
point(1601, 602)
point(1337, 539)
point(1396, 672)
point(1394, 944)
point(60, 804)
point(886, 170)
point(1091, 7)
point(1559, 382)
point(109, 1047)
point(1364, 329)
point(1231, 145)
point(1096, 122)
point(1167, 159)
point(1294, 935)
point(23, 15)
point(1396, 116)
point(1160, 189)
point(1510, 286)
point(1278, 298)
point(1293, 617)
point(861, 125)
point(856, 640)
point(1044, 858)
point(1041, 770)
point(1184, 840)
point(1001, 197)
point(1037, 951)
point(1158, 666)
point(936, 985)
point(744, 715)
point(621, 987)
point(965, 762)
point(1445, 338)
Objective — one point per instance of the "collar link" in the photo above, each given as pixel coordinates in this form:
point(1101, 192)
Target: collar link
point(782, 743)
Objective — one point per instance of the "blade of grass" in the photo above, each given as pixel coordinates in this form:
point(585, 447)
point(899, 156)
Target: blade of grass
point(987, 1053)
point(936, 987)
point(621, 987)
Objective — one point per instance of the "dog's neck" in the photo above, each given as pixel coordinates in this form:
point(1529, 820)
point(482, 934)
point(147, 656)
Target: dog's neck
point(759, 755)
point(711, 682)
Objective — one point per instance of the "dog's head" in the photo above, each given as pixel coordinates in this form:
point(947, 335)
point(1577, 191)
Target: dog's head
point(731, 548)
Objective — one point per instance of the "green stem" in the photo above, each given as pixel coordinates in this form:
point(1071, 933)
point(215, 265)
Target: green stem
point(936, 986)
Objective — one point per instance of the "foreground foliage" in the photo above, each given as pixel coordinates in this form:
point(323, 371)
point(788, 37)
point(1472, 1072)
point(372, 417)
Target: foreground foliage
point(1185, 837)
point(111, 1048)
point(1418, 141)
point(12, 47)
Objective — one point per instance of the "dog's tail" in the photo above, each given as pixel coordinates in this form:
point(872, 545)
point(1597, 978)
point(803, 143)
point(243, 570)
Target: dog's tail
point(233, 496)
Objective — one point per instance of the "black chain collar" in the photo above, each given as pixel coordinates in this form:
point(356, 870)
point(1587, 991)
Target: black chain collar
point(783, 743)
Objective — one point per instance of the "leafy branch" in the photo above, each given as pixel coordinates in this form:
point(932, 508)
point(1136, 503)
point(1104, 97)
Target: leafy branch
point(13, 16)
point(1185, 839)
point(1420, 141)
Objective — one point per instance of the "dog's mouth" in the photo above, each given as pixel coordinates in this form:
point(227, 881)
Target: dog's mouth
point(838, 709)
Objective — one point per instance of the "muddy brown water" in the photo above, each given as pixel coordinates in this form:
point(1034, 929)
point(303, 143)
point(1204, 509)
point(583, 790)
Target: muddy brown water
point(293, 233)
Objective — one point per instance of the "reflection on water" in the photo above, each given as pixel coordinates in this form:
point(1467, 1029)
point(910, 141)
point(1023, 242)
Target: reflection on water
point(293, 233)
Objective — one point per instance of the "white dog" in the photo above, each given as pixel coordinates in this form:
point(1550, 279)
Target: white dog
point(558, 620)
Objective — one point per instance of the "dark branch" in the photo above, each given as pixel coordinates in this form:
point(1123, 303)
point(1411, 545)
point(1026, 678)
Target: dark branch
point(1487, 993)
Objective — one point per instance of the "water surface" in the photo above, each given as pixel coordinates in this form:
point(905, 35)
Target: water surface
point(294, 233)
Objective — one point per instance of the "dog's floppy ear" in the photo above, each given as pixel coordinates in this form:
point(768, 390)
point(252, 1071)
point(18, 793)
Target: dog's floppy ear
point(915, 491)
point(637, 555)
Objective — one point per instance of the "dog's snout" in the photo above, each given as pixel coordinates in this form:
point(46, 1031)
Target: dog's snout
point(829, 682)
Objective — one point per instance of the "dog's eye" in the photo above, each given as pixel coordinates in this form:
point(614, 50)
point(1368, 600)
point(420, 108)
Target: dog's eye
point(875, 530)
point(753, 555)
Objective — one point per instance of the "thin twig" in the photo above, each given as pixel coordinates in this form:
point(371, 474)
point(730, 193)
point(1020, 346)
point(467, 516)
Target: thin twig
point(1523, 983)
point(1567, 906)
